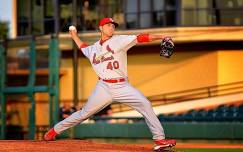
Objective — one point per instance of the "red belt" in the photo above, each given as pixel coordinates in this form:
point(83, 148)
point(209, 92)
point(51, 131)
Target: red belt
point(113, 80)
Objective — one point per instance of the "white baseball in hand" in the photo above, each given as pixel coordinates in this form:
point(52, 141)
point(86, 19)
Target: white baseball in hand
point(71, 28)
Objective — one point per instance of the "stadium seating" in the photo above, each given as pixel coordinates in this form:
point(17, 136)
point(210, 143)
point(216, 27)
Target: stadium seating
point(222, 113)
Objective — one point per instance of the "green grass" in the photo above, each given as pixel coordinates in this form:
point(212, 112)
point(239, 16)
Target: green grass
point(208, 150)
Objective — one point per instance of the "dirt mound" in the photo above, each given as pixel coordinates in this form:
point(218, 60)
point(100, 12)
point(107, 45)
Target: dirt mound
point(68, 146)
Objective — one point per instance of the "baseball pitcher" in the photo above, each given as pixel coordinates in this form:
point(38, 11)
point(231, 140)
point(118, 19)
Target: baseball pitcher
point(108, 57)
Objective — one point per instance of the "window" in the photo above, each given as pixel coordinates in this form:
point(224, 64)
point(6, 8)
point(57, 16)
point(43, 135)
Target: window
point(229, 12)
point(131, 13)
point(66, 12)
point(211, 12)
point(196, 12)
point(23, 12)
point(34, 17)
point(158, 14)
point(145, 14)
point(170, 12)
point(37, 10)
point(48, 17)
point(150, 13)
point(91, 11)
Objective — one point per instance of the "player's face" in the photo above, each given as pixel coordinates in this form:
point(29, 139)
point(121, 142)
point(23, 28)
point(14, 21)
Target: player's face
point(108, 29)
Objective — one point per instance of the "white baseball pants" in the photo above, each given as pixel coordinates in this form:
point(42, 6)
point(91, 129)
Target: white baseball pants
point(103, 95)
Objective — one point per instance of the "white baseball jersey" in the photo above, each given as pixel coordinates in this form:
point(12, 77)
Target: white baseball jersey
point(109, 60)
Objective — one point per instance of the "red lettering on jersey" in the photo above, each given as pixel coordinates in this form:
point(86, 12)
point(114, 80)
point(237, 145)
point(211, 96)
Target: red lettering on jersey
point(114, 65)
point(109, 49)
point(94, 60)
point(109, 66)
point(102, 59)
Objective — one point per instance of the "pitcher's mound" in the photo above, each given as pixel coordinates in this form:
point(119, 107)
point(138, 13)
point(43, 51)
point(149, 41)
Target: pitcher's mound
point(68, 146)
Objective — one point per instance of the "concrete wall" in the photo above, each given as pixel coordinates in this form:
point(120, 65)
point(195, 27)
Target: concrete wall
point(154, 75)
point(230, 64)
point(151, 74)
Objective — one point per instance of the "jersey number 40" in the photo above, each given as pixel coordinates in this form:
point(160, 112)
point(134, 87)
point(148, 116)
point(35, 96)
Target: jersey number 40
point(113, 65)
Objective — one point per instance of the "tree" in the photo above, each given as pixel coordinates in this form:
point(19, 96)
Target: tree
point(3, 30)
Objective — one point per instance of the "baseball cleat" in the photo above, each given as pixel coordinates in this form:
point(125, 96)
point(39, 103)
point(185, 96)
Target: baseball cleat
point(168, 149)
point(164, 145)
point(50, 135)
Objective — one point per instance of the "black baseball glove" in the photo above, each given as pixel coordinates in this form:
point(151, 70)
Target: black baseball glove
point(167, 47)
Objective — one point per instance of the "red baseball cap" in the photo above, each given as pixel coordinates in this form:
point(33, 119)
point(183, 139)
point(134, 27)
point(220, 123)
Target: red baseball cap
point(107, 20)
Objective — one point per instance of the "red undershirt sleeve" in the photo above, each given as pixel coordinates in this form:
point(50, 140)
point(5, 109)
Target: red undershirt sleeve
point(83, 45)
point(143, 38)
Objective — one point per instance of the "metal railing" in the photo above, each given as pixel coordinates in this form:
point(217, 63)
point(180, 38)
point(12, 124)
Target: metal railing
point(52, 87)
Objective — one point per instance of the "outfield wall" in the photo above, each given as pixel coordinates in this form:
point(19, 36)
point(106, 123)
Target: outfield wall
point(177, 130)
